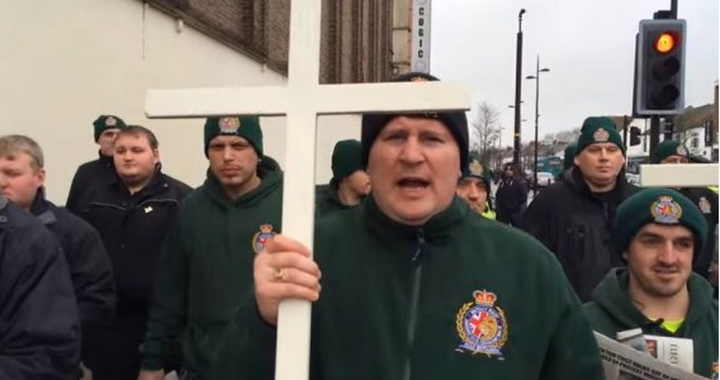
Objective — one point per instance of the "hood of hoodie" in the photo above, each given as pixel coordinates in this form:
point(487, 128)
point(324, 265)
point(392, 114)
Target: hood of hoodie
point(611, 296)
point(271, 177)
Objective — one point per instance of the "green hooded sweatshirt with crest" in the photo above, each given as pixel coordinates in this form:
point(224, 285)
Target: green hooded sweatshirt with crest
point(612, 311)
point(207, 267)
point(459, 297)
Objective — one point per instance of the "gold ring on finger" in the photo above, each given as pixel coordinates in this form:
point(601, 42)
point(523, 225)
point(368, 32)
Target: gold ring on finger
point(279, 274)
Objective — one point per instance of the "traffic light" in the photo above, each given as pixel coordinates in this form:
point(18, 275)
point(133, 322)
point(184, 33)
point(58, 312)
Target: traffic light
point(660, 67)
point(635, 136)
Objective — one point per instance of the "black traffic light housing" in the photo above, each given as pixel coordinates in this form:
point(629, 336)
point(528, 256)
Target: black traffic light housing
point(635, 136)
point(660, 65)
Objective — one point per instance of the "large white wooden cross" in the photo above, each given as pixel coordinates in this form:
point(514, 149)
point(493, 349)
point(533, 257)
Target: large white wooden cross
point(302, 100)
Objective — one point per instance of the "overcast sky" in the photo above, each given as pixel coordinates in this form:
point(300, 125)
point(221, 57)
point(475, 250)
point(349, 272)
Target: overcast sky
point(588, 45)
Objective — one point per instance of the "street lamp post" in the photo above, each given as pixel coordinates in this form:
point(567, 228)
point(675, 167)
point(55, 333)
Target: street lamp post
point(536, 77)
point(518, 79)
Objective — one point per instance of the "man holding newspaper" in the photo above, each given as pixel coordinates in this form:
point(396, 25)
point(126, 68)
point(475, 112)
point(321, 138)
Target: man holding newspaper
point(660, 233)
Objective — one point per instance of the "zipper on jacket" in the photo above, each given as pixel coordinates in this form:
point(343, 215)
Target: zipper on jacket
point(414, 300)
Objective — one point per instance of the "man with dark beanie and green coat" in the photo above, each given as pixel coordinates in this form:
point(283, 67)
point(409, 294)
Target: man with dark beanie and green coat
point(675, 152)
point(573, 217)
point(206, 266)
point(349, 184)
point(102, 170)
point(659, 232)
point(414, 284)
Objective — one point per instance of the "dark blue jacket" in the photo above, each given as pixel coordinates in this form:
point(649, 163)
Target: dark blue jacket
point(39, 328)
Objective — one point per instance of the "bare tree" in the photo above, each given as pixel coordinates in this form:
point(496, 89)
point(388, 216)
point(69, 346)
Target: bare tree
point(486, 130)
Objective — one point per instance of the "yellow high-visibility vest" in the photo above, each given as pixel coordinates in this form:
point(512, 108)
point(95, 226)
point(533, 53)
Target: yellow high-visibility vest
point(488, 213)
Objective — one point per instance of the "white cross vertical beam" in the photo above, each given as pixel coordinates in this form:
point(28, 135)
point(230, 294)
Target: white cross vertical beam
point(294, 325)
point(302, 100)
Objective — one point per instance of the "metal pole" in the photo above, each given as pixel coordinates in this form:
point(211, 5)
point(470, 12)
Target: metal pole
point(673, 9)
point(654, 132)
point(537, 114)
point(518, 90)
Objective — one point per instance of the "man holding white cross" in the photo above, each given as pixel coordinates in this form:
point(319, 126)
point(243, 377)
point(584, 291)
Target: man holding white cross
point(414, 284)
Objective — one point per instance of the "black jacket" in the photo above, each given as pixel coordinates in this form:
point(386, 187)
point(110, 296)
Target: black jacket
point(576, 225)
point(89, 264)
point(133, 228)
point(707, 202)
point(511, 195)
point(88, 175)
point(39, 329)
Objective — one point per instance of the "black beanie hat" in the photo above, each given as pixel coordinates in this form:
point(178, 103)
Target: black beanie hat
point(104, 122)
point(455, 121)
point(247, 127)
point(661, 206)
point(598, 130)
point(346, 159)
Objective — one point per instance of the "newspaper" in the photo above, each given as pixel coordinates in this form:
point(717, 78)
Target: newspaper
point(622, 362)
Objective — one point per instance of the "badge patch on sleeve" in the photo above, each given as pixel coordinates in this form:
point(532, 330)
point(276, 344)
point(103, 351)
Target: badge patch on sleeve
point(261, 237)
point(482, 326)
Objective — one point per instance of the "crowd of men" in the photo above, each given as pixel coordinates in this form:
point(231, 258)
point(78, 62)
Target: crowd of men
point(140, 275)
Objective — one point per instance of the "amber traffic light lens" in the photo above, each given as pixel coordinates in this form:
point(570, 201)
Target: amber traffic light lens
point(665, 43)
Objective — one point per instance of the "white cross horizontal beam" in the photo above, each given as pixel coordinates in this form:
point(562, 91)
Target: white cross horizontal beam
point(323, 99)
point(679, 175)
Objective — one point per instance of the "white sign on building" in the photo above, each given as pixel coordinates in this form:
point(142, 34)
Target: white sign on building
point(420, 58)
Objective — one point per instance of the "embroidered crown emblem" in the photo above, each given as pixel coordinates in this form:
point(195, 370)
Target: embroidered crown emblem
point(483, 297)
point(681, 151)
point(229, 124)
point(476, 168)
point(482, 326)
point(666, 210)
point(261, 237)
point(601, 135)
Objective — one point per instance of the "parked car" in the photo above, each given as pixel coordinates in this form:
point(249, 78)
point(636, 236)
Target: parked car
point(544, 179)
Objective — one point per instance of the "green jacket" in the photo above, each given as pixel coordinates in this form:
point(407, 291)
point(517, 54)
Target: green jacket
point(207, 266)
point(328, 201)
point(398, 302)
point(612, 310)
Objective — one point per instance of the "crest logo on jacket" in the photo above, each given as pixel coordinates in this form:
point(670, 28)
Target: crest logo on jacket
point(704, 205)
point(482, 326)
point(261, 237)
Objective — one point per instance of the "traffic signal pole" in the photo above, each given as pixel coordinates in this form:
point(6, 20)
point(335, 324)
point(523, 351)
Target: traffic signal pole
point(654, 132)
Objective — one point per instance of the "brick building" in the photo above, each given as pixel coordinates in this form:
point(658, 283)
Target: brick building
point(358, 36)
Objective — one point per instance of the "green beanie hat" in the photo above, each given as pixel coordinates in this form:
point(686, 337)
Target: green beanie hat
point(478, 170)
point(455, 121)
point(247, 127)
point(346, 159)
point(598, 130)
point(661, 206)
point(569, 158)
point(666, 149)
point(104, 122)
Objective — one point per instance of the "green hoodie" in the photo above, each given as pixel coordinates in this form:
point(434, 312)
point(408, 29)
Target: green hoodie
point(207, 266)
point(399, 302)
point(612, 311)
